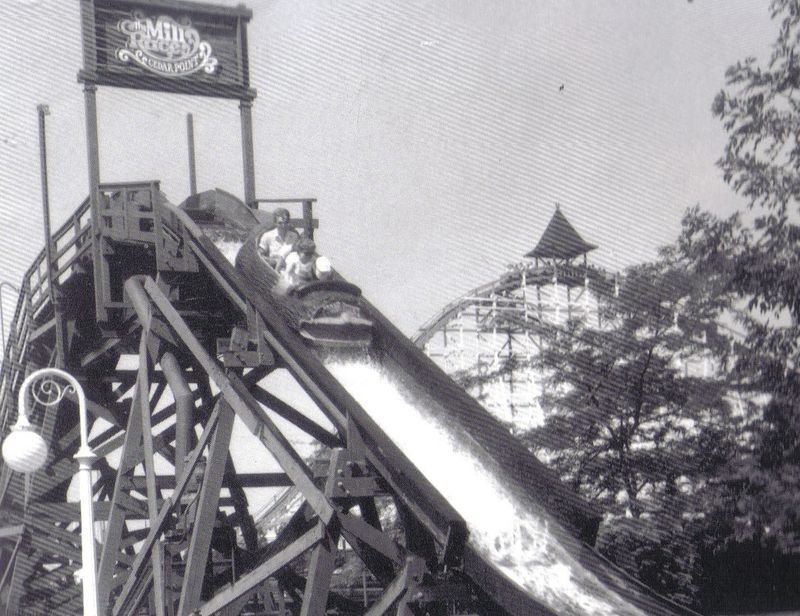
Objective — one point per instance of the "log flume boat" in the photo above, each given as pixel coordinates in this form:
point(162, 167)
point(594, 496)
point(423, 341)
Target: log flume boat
point(328, 314)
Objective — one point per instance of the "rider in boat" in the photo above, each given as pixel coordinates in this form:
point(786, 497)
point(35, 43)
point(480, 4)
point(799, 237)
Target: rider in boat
point(304, 265)
point(277, 243)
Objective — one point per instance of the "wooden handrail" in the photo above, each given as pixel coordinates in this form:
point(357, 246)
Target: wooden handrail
point(34, 292)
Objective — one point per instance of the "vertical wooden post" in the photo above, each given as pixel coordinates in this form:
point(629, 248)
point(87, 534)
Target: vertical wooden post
point(131, 454)
point(569, 303)
point(323, 556)
point(93, 148)
point(42, 111)
point(89, 76)
point(308, 218)
point(143, 387)
point(52, 278)
point(192, 167)
point(248, 162)
point(200, 542)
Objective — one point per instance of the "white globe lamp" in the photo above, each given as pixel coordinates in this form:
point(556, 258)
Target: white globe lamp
point(24, 450)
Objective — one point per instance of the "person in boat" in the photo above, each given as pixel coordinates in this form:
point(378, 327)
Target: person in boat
point(277, 243)
point(304, 265)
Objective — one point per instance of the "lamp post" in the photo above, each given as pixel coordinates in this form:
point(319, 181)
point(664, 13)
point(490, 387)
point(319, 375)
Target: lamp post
point(26, 451)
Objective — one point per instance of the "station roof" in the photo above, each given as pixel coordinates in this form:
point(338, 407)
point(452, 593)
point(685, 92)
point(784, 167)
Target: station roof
point(560, 240)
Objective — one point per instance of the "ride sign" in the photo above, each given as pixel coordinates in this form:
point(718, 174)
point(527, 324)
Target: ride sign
point(167, 45)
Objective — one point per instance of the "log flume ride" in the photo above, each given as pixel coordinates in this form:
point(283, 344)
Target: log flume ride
point(328, 313)
point(414, 473)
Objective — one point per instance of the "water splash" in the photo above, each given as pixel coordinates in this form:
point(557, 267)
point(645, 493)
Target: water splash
point(229, 248)
point(521, 543)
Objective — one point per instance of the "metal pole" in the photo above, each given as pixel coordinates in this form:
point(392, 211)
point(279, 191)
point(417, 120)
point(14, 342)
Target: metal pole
point(184, 410)
point(192, 167)
point(44, 110)
point(85, 458)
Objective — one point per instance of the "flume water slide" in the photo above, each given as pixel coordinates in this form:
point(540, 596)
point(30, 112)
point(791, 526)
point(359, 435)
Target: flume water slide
point(528, 533)
point(448, 512)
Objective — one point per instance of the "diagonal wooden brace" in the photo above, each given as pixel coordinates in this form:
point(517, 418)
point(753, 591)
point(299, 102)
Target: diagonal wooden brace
point(402, 588)
point(246, 407)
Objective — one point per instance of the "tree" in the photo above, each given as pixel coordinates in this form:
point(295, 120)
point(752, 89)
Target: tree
point(740, 461)
point(755, 258)
point(638, 418)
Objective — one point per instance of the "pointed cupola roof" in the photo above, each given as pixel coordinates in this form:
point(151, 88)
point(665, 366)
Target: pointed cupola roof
point(560, 240)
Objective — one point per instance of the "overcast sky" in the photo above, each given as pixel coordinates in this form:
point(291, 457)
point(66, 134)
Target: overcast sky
point(436, 134)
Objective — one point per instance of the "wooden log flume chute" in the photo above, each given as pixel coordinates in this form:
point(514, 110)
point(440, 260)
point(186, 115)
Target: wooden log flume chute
point(183, 358)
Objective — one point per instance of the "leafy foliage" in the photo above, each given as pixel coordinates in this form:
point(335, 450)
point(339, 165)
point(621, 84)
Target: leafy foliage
point(658, 552)
point(681, 415)
point(754, 257)
point(638, 417)
point(740, 461)
point(635, 408)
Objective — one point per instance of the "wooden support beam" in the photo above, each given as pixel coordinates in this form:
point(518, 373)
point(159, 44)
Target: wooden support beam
point(131, 505)
point(69, 601)
point(57, 535)
point(418, 539)
point(131, 453)
point(250, 581)
point(98, 410)
point(232, 480)
point(138, 567)
point(409, 577)
point(379, 552)
point(246, 407)
point(141, 590)
point(42, 330)
point(323, 556)
point(161, 443)
point(9, 561)
point(107, 345)
point(25, 560)
point(246, 523)
point(320, 570)
point(143, 387)
point(71, 512)
point(286, 411)
point(45, 580)
point(369, 512)
point(355, 482)
point(48, 546)
point(200, 541)
point(294, 582)
point(278, 340)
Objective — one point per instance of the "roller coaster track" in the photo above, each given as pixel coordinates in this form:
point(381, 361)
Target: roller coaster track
point(182, 350)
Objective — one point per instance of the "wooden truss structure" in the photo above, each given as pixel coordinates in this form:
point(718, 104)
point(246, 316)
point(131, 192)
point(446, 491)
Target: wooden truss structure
point(182, 355)
point(185, 354)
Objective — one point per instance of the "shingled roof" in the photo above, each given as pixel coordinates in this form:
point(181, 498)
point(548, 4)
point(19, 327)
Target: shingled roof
point(560, 240)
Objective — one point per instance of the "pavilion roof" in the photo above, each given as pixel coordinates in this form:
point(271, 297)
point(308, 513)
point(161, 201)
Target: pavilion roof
point(560, 240)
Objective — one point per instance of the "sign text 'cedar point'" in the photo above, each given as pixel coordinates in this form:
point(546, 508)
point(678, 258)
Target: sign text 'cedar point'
point(165, 46)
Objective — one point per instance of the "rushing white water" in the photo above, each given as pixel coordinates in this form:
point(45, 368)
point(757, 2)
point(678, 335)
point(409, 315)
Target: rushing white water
point(521, 543)
point(229, 248)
